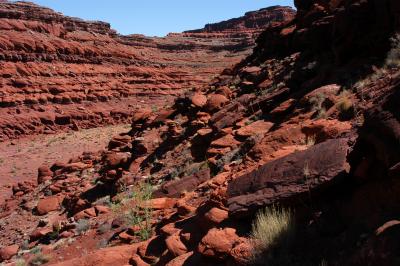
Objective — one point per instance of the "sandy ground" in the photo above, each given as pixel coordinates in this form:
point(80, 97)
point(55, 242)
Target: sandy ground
point(20, 159)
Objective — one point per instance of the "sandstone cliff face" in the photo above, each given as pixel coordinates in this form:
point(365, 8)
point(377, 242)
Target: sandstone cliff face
point(310, 122)
point(60, 72)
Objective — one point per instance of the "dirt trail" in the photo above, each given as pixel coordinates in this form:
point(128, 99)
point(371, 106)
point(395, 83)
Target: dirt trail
point(20, 159)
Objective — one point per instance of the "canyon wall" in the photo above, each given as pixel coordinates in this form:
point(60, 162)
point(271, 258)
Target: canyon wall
point(59, 72)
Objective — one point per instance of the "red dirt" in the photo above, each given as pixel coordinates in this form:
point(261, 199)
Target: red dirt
point(20, 159)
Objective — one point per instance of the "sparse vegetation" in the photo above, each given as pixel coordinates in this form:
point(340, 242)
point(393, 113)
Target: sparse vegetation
point(317, 105)
point(82, 226)
point(345, 104)
point(39, 259)
point(310, 140)
point(154, 108)
point(272, 232)
point(306, 172)
point(234, 155)
point(324, 263)
point(140, 214)
point(35, 250)
point(102, 243)
point(20, 262)
point(393, 56)
point(137, 214)
point(104, 228)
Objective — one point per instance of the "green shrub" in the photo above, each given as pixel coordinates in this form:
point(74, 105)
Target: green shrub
point(140, 214)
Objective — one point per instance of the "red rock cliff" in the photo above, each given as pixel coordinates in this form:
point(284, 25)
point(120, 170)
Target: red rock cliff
point(60, 72)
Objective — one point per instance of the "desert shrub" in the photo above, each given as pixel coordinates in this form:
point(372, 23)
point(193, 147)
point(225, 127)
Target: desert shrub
point(345, 105)
point(323, 263)
point(317, 105)
point(133, 207)
point(393, 56)
point(272, 232)
point(154, 108)
point(140, 214)
point(102, 243)
point(104, 228)
point(20, 262)
point(310, 140)
point(39, 259)
point(35, 250)
point(82, 226)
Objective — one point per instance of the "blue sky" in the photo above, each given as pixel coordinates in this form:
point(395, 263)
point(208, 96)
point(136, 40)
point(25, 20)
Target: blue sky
point(157, 17)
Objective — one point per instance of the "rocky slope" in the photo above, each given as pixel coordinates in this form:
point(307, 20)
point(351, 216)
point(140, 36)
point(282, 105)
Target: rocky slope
point(309, 122)
point(60, 72)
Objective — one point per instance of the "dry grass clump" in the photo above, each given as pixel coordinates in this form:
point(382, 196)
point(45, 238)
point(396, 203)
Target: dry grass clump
point(272, 232)
point(393, 56)
point(345, 105)
point(39, 259)
point(317, 105)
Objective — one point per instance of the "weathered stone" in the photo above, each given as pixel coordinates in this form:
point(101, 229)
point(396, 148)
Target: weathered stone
point(189, 183)
point(290, 177)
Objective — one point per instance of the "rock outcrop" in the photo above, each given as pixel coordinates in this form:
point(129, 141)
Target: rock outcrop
point(291, 178)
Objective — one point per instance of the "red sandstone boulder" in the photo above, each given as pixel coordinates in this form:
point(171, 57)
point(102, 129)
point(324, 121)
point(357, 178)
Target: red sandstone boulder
point(119, 255)
point(8, 252)
point(44, 174)
point(257, 128)
point(216, 216)
point(175, 245)
point(189, 183)
point(48, 204)
point(290, 177)
point(243, 253)
point(160, 203)
point(116, 159)
point(218, 243)
point(181, 260)
point(215, 102)
point(136, 260)
point(323, 129)
point(199, 100)
point(39, 233)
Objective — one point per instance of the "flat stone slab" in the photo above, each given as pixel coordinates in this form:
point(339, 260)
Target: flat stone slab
point(290, 177)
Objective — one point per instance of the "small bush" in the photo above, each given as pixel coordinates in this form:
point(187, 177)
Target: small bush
point(133, 207)
point(272, 230)
point(102, 243)
point(82, 226)
point(35, 250)
point(317, 105)
point(345, 105)
point(20, 262)
point(310, 140)
point(104, 228)
point(39, 259)
point(393, 56)
point(140, 214)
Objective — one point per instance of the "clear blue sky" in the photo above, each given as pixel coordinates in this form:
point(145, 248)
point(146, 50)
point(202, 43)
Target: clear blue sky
point(157, 17)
